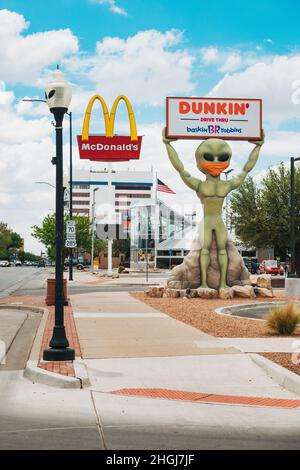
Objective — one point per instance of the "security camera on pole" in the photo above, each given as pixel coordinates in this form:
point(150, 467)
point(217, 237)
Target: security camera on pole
point(58, 96)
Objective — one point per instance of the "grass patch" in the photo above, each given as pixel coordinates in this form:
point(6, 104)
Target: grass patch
point(284, 319)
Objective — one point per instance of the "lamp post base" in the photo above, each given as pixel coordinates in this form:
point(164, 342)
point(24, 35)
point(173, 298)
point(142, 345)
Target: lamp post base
point(64, 354)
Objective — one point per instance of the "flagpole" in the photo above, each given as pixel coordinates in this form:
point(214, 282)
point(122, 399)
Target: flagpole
point(156, 218)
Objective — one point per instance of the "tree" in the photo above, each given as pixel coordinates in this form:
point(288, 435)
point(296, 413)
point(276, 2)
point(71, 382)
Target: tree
point(28, 256)
point(260, 213)
point(46, 234)
point(10, 242)
point(5, 240)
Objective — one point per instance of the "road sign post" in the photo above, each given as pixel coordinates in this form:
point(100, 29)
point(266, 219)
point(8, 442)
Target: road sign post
point(71, 234)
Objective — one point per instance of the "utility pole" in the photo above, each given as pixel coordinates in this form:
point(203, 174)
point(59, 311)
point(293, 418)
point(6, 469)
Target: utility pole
point(293, 218)
point(93, 228)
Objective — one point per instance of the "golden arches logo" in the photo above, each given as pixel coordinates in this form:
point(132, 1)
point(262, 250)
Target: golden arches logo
point(109, 117)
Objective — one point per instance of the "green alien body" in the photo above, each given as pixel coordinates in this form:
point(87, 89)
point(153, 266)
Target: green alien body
point(212, 158)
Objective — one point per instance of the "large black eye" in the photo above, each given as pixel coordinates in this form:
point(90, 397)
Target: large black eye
point(224, 157)
point(209, 157)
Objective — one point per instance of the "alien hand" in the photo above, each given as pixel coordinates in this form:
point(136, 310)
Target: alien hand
point(259, 142)
point(165, 139)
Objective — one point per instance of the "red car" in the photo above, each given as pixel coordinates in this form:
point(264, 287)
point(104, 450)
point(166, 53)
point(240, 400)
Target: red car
point(270, 266)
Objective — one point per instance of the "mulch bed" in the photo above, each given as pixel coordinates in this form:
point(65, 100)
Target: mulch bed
point(200, 314)
point(283, 359)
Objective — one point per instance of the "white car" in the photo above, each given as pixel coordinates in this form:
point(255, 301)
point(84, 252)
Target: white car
point(4, 264)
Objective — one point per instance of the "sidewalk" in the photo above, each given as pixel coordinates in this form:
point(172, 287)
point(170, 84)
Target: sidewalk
point(131, 348)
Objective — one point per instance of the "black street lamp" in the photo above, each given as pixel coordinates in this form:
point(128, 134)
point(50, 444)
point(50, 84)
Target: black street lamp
point(58, 96)
point(293, 218)
point(71, 196)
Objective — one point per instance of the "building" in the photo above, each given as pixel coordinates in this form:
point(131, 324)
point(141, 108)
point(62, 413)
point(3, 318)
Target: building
point(130, 195)
point(115, 188)
point(159, 235)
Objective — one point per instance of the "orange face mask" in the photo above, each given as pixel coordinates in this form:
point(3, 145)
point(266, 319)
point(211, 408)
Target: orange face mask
point(214, 169)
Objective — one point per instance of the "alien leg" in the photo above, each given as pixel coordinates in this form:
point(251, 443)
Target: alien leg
point(206, 237)
point(221, 238)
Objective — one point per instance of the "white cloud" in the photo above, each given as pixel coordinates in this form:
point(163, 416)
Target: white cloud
point(26, 148)
point(232, 62)
point(113, 7)
point(272, 81)
point(146, 67)
point(23, 57)
point(210, 55)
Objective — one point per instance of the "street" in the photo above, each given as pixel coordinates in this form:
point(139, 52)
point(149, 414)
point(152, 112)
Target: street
point(13, 278)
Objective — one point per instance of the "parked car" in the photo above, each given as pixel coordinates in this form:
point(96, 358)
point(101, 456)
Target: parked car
point(252, 265)
point(80, 263)
point(271, 266)
point(4, 263)
point(18, 264)
point(41, 263)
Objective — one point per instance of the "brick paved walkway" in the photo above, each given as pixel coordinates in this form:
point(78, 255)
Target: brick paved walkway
point(66, 367)
point(208, 398)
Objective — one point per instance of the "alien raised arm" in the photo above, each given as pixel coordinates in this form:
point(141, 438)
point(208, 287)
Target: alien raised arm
point(189, 180)
point(253, 157)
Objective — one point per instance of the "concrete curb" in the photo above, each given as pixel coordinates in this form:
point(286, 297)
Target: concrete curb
point(37, 374)
point(45, 377)
point(81, 372)
point(284, 377)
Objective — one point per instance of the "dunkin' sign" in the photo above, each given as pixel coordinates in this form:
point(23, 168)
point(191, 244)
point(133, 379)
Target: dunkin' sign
point(108, 147)
point(202, 118)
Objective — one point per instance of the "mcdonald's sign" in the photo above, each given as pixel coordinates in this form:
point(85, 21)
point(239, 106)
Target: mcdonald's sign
point(108, 147)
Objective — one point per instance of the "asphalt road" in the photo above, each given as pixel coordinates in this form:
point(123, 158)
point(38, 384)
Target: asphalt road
point(13, 278)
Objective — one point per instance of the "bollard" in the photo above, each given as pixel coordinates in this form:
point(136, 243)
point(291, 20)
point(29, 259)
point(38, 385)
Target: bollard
point(292, 288)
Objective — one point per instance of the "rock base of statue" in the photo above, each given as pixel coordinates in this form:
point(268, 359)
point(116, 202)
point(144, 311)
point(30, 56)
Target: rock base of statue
point(187, 274)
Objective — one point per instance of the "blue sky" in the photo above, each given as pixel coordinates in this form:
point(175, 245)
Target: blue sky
point(146, 50)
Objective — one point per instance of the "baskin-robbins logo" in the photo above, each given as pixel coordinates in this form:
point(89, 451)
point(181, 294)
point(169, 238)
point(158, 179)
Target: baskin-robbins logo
point(202, 118)
point(108, 147)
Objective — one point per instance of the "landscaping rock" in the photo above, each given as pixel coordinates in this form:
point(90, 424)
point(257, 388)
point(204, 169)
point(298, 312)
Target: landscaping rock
point(194, 293)
point(264, 280)
point(173, 293)
point(226, 293)
point(244, 291)
point(182, 293)
point(187, 274)
point(207, 293)
point(155, 291)
point(253, 279)
point(263, 292)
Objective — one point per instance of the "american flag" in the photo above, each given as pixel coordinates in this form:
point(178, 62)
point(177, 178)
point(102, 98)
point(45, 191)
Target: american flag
point(163, 187)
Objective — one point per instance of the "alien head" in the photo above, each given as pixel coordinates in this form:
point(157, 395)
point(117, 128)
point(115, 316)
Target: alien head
point(213, 156)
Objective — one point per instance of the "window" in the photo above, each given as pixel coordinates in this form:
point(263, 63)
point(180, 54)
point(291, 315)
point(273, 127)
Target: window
point(81, 203)
point(80, 194)
point(129, 196)
point(81, 186)
point(82, 211)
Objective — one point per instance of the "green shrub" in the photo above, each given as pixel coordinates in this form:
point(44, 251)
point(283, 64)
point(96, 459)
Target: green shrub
point(285, 319)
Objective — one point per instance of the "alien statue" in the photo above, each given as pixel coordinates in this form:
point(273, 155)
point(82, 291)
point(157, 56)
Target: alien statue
point(212, 158)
